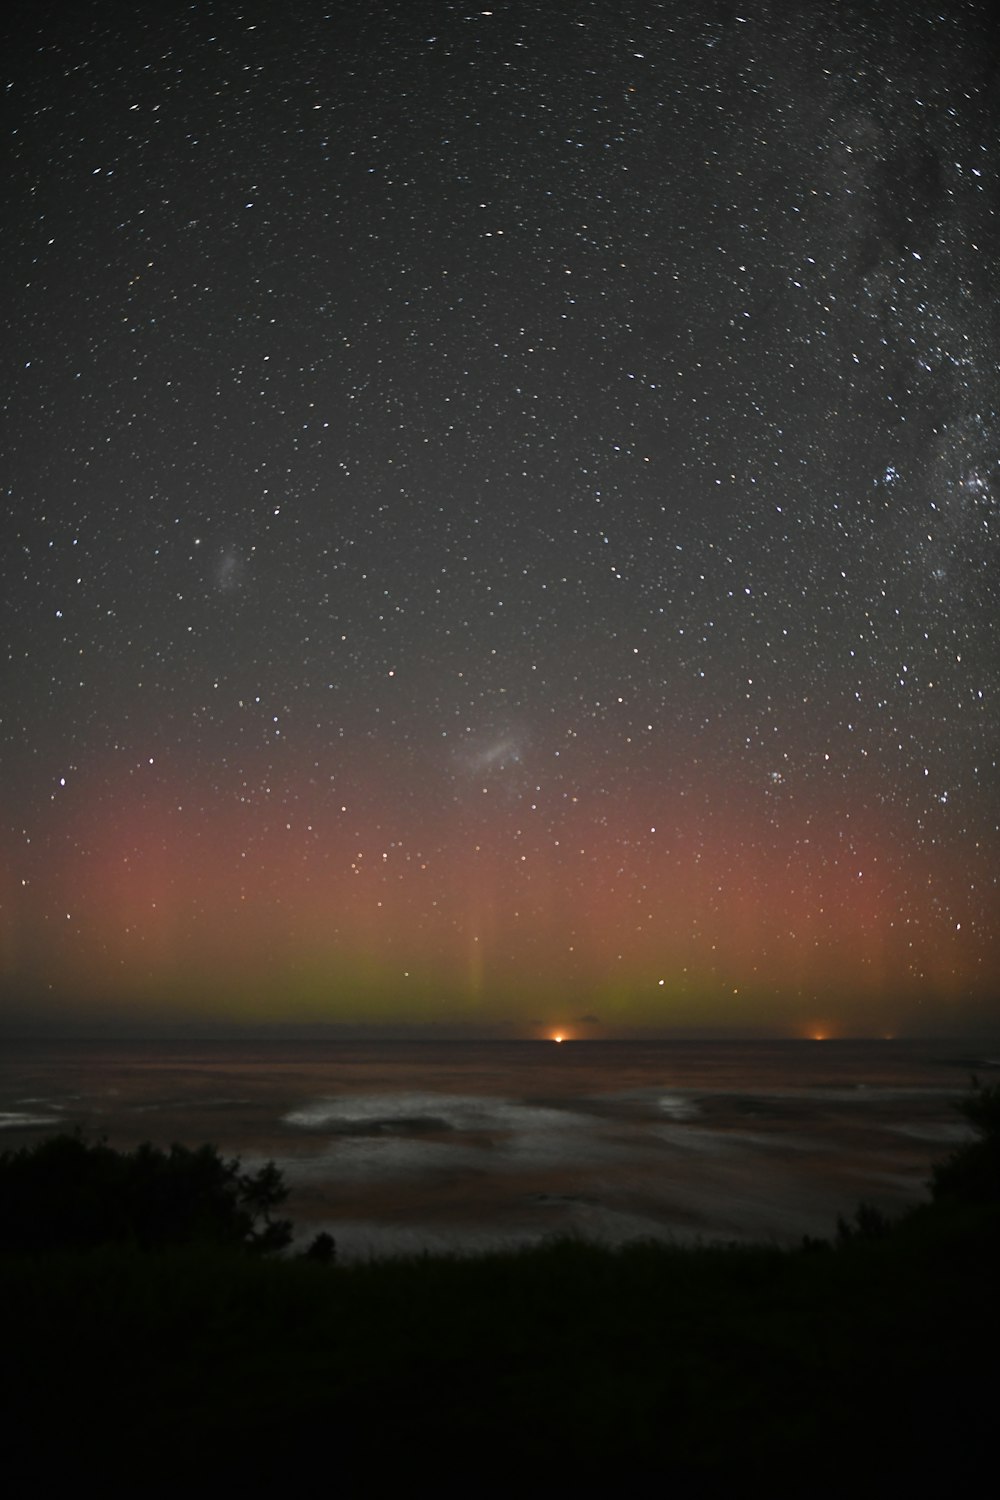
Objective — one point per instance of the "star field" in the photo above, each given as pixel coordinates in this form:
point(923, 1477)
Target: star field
point(504, 515)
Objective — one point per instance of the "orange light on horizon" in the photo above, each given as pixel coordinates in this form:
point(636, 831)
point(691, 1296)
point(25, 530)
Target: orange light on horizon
point(817, 1031)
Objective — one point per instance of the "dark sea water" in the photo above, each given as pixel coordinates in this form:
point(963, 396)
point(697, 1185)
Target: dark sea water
point(406, 1146)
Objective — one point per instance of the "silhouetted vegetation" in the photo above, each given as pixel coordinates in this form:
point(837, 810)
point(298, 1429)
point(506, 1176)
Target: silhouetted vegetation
point(556, 1368)
point(70, 1194)
point(869, 1223)
point(972, 1173)
point(323, 1249)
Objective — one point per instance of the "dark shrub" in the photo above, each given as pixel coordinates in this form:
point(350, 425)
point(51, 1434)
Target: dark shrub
point(972, 1173)
point(67, 1193)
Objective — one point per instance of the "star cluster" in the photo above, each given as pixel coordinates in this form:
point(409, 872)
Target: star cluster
point(503, 513)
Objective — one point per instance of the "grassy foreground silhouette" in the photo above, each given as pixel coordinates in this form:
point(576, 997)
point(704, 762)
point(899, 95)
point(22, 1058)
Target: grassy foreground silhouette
point(838, 1366)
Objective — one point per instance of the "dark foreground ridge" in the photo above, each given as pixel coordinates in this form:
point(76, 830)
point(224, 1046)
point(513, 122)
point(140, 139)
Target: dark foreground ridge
point(149, 1349)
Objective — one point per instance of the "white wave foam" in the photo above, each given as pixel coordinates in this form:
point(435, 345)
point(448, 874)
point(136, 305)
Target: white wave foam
point(678, 1106)
point(20, 1120)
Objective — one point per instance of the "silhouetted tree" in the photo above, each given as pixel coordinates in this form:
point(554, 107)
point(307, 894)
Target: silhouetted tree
point(260, 1194)
point(869, 1223)
point(68, 1193)
point(972, 1173)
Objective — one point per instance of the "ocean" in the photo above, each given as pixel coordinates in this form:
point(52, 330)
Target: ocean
point(404, 1147)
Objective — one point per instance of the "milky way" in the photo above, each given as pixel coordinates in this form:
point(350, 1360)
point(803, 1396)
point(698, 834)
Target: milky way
point(504, 515)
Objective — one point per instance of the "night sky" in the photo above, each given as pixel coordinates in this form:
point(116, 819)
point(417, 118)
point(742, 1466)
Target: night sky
point(503, 515)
